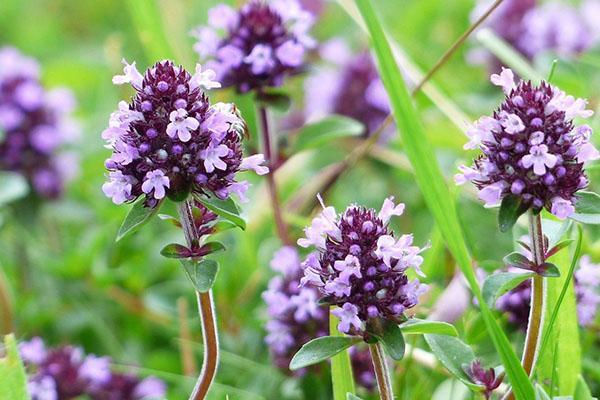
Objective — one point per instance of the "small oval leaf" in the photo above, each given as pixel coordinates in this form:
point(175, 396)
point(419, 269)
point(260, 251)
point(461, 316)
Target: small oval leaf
point(202, 273)
point(174, 250)
point(587, 208)
point(549, 270)
point(416, 326)
point(500, 283)
point(511, 209)
point(320, 349)
point(137, 216)
point(350, 396)
point(275, 99)
point(518, 260)
point(226, 209)
point(453, 354)
point(388, 333)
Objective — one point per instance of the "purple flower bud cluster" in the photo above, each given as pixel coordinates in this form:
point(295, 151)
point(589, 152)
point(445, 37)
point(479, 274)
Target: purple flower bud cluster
point(65, 373)
point(360, 266)
point(531, 147)
point(534, 28)
point(257, 46)
point(34, 124)
point(349, 85)
point(484, 377)
point(170, 140)
point(295, 317)
point(516, 303)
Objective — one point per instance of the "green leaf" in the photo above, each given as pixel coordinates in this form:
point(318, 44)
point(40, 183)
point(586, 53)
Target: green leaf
point(224, 208)
point(213, 247)
point(582, 391)
point(453, 354)
point(511, 209)
point(223, 225)
point(137, 216)
point(416, 326)
point(388, 333)
point(329, 129)
point(169, 218)
point(13, 380)
point(350, 396)
point(13, 186)
point(275, 99)
point(342, 378)
point(517, 260)
point(435, 190)
point(587, 208)
point(560, 347)
point(500, 283)
point(146, 18)
point(558, 247)
point(202, 273)
point(321, 349)
point(549, 270)
point(174, 250)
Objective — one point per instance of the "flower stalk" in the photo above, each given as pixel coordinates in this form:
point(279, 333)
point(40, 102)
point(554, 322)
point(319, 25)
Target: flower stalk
point(536, 315)
point(382, 373)
point(270, 156)
point(207, 313)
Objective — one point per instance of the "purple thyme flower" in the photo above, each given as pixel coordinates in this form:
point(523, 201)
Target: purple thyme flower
point(65, 373)
point(295, 317)
point(531, 148)
point(360, 266)
point(516, 303)
point(484, 377)
point(170, 140)
point(353, 88)
point(257, 46)
point(534, 28)
point(34, 125)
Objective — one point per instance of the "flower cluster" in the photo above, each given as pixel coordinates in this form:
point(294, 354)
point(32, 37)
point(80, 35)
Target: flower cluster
point(353, 88)
point(360, 266)
point(170, 140)
point(295, 317)
point(65, 373)
point(34, 124)
point(534, 29)
point(531, 147)
point(257, 46)
point(516, 303)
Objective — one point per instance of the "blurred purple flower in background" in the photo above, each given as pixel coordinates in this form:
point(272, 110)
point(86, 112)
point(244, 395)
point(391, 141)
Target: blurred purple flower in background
point(34, 124)
point(348, 85)
point(257, 46)
point(65, 373)
point(360, 266)
point(533, 28)
point(516, 303)
point(531, 148)
point(170, 140)
point(295, 317)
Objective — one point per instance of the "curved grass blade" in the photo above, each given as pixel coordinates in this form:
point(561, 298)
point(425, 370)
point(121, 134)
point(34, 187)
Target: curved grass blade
point(341, 369)
point(147, 20)
point(435, 191)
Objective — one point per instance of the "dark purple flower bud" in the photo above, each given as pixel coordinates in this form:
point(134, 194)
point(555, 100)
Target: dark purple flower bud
point(371, 284)
point(548, 168)
point(34, 125)
point(264, 43)
point(484, 377)
point(170, 140)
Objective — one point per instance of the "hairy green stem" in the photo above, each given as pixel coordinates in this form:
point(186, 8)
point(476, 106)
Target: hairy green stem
point(382, 373)
point(207, 313)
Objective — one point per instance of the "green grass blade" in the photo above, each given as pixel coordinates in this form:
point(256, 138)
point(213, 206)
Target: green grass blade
point(13, 381)
point(561, 331)
point(508, 55)
point(341, 369)
point(435, 190)
point(149, 25)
